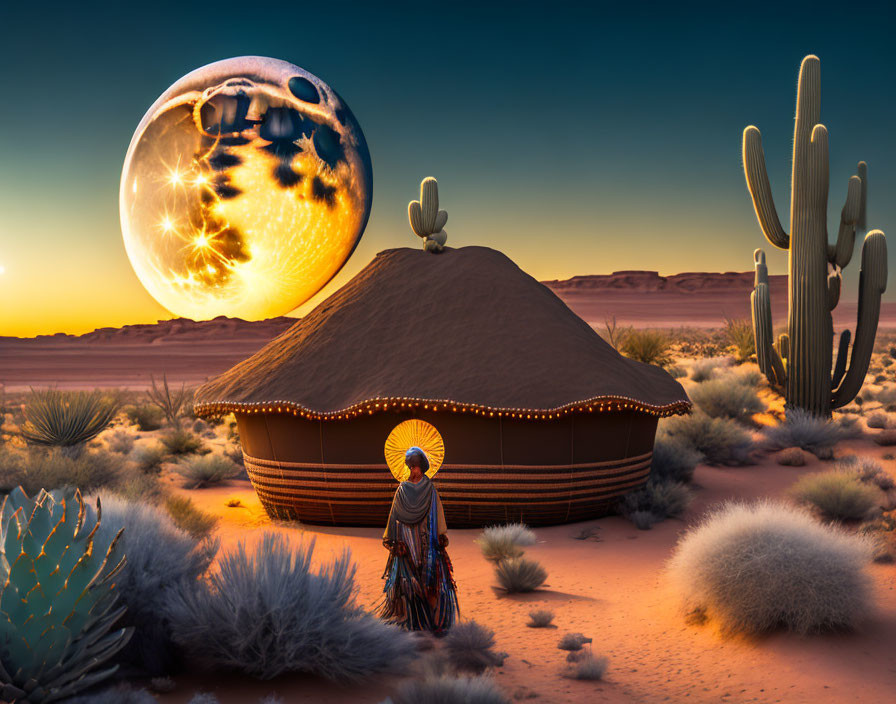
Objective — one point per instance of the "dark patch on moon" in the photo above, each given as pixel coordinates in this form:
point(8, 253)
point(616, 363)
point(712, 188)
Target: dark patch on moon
point(285, 176)
point(321, 191)
point(221, 160)
point(303, 89)
point(328, 145)
point(223, 188)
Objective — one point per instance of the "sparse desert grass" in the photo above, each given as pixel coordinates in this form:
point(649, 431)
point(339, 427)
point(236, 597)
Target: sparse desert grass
point(120, 441)
point(721, 441)
point(648, 346)
point(877, 420)
point(470, 647)
point(519, 574)
point(808, 432)
point(149, 458)
point(209, 470)
point(572, 642)
point(836, 495)
point(541, 618)
point(673, 459)
point(160, 558)
point(587, 667)
point(505, 541)
point(310, 620)
point(791, 457)
point(52, 468)
point(758, 567)
point(234, 453)
point(739, 334)
point(181, 442)
point(173, 405)
point(189, 518)
point(723, 397)
point(657, 501)
point(12, 469)
point(448, 689)
point(66, 419)
point(144, 416)
point(139, 487)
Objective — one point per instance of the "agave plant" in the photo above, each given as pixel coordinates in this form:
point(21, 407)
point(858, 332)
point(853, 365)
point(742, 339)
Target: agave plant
point(57, 599)
point(66, 419)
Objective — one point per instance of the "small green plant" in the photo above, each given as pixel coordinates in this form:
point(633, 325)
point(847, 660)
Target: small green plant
point(173, 406)
point(57, 598)
point(144, 416)
point(541, 618)
point(647, 346)
point(501, 542)
point(518, 574)
point(200, 472)
point(189, 518)
point(181, 442)
point(739, 335)
point(837, 495)
point(66, 419)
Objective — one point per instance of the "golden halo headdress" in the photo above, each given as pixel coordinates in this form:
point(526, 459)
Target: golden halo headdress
point(413, 433)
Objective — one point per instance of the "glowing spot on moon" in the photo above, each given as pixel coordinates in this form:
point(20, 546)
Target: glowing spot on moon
point(255, 187)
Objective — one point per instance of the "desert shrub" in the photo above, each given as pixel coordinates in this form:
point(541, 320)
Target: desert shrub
point(12, 469)
point(657, 501)
point(720, 398)
point(886, 437)
point(836, 495)
point(469, 646)
point(199, 472)
point(758, 567)
point(265, 612)
point(648, 346)
point(189, 518)
point(66, 419)
point(172, 405)
point(808, 432)
point(868, 470)
point(572, 642)
point(791, 457)
point(721, 441)
point(542, 618)
point(739, 334)
point(139, 486)
point(704, 369)
point(181, 442)
point(234, 453)
point(120, 441)
point(519, 574)
point(447, 689)
point(145, 417)
point(52, 468)
point(877, 420)
point(882, 532)
point(673, 459)
point(505, 541)
point(587, 667)
point(204, 698)
point(149, 458)
point(160, 559)
point(117, 694)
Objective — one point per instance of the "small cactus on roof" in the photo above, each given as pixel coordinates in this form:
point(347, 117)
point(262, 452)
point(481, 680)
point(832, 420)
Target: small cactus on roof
point(427, 221)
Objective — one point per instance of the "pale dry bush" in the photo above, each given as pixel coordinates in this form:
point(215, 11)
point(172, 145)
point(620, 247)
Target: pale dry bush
point(758, 567)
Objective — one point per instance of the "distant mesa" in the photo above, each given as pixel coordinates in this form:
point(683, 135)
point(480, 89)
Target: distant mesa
point(651, 281)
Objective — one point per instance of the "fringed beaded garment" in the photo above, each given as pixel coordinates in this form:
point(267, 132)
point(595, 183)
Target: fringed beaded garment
point(420, 593)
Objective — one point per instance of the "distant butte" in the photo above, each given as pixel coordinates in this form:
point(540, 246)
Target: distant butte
point(652, 281)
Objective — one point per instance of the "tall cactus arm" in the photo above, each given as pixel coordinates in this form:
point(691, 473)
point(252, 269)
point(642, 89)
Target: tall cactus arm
point(842, 354)
point(761, 190)
point(834, 283)
point(767, 357)
point(872, 284)
point(840, 254)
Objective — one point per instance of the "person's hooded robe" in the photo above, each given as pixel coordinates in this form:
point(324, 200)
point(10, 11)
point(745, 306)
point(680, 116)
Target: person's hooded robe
point(420, 593)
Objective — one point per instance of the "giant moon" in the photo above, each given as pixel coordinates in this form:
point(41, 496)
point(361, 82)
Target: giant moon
point(246, 187)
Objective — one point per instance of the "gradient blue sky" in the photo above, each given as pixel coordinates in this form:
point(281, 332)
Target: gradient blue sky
point(576, 139)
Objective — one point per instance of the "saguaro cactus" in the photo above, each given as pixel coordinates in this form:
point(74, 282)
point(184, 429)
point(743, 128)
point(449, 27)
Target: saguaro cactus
point(800, 362)
point(427, 221)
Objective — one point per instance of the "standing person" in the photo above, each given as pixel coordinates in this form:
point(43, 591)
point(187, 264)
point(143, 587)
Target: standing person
point(420, 593)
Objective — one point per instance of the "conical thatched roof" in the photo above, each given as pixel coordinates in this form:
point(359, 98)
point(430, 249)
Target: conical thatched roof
point(464, 329)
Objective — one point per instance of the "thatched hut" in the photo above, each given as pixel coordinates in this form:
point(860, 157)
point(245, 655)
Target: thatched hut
point(542, 420)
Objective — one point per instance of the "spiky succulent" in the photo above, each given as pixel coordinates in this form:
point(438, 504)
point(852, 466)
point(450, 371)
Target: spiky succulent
point(66, 419)
point(57, 597)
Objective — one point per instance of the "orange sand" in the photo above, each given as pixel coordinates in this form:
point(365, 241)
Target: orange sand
point(613, 590)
